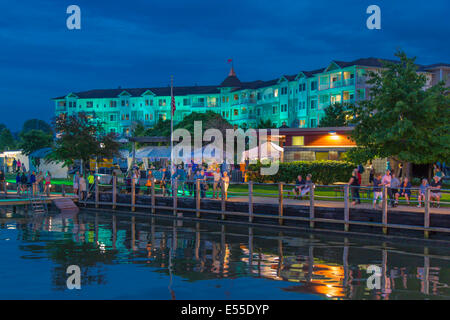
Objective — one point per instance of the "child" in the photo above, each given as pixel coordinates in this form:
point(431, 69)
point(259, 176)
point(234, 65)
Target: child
point(422, 192)
point(226, 183)
point(377, 193)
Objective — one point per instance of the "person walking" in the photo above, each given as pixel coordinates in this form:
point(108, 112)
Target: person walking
point(377, 194)
point(354, 187)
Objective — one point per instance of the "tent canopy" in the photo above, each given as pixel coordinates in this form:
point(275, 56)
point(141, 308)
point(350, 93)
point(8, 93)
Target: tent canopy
point(267, 150)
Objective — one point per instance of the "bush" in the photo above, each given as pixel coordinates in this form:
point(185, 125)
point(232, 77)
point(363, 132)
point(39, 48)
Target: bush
point(323, 172)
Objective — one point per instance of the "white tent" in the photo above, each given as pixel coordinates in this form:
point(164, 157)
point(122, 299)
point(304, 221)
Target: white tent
point(267, 150)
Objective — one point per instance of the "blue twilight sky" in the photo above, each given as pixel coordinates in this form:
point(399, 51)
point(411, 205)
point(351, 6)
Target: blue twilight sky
point(140, 43)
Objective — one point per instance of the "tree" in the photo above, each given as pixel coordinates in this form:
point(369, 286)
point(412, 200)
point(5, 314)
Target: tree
point(37, 124)
point(78, 137)
point(7, 141)
point(401, 120)
point(209, 119)
point(34, 140)
point(265, 124)
point(335, 116)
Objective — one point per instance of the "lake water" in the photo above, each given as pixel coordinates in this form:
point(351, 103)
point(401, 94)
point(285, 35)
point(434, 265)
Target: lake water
point(125, 257)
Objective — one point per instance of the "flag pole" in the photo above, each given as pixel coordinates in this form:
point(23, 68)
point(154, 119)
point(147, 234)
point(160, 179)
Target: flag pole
point(172, 112)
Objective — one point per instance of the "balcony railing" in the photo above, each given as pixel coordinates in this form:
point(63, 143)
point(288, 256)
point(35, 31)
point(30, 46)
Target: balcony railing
point(324, 86)
point(349, 82)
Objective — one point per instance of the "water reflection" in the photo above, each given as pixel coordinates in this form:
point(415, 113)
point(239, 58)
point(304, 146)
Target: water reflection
point(188, 254)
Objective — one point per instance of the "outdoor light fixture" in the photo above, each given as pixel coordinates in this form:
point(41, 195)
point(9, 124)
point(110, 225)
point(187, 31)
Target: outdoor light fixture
point(332, 133)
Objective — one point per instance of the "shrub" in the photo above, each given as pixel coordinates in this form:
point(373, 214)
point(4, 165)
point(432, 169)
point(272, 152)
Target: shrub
point(323, 172)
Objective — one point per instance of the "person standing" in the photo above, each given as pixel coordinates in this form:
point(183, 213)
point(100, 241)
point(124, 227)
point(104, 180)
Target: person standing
point(40, 182)
point(149, 182)
point(2, 182)
point(18, 184)
point(395, 186)
point(354, 187)
point(76, 182)
point(377, 194)
point(216, 183)
point(23, 182)
point(226, 183)
point(19, 165)
point(14, 165)
point(386, 181)
point(33, 183)
point(48, 181)
point(82, 188)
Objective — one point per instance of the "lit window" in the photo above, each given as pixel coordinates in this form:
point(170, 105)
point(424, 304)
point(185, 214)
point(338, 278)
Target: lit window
point(298, 140)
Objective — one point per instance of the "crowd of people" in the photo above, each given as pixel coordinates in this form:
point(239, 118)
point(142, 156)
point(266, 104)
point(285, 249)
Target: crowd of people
point(186, 178)
point(32, 182)
point(396, 189)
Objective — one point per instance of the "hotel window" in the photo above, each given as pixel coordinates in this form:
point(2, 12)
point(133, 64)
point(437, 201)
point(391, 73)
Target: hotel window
point(258, 96)
point(112, 130)
point(186, 102)
point(236, 97)
point(275, 93)
point(89, 104)
point(236, 112)
point(298, 140)
point(284, 90)
point(301, 123)
point(313, 123)
point(162, 116)
point(111, 117)
point(313, 104)
point(147, 102)
point(313, 85)
point(113, 104)
point(61, 103)
point(321, 155)
point(258, 112)
point(274, 109)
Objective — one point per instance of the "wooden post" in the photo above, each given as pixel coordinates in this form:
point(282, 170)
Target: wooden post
point(133, 194)
point(197, 197)
point(384, 210)
point(426, 222)
point(250, 201)
point(222, 202)
point(311, 205)
point(153, 196)
point(97, 193)
point(280, 203)
point(346, 207)
point(174, 195)
point(114, 192)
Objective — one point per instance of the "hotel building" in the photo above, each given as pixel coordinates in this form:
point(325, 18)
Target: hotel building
point(297, 100)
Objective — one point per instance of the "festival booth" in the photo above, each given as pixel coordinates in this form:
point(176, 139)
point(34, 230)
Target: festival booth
point(38, 162)
point(266, 151)
point(7, 158)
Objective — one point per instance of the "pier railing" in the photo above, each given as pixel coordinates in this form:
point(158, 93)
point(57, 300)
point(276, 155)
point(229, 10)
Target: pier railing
point(311, 200)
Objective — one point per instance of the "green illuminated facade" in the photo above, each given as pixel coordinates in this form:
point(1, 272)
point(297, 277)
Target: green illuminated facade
point(297, 100)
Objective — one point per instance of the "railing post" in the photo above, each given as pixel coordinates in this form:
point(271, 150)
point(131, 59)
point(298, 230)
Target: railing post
point(63, 190)
point(96, 191)
point(346, 207)
point(222, 201)
point(114, 192)
point(384, 218)
point(426, 222)
point(133, 194)
point(280, 203)
point(250, 201)
point(197, 197)
point(175, 195)
point(311, 205)
point(153, 196)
